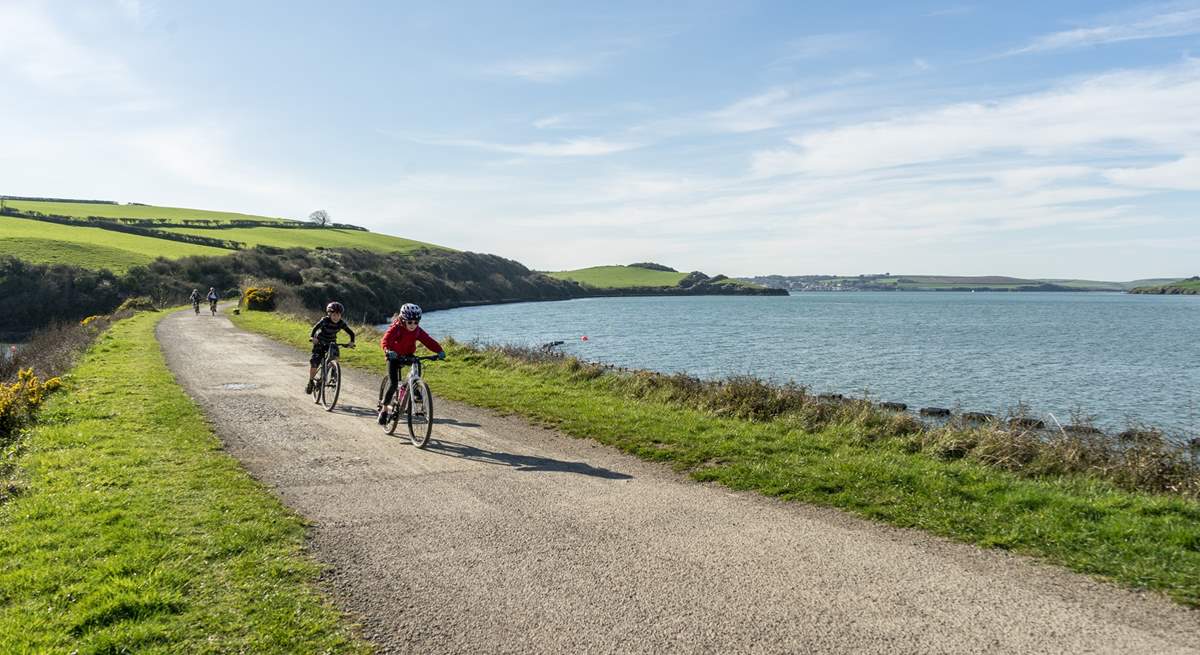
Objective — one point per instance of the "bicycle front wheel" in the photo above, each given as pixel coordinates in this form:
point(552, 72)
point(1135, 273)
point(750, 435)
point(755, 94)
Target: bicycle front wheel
point(333, 386)
point(394, 412)
point(420, 415)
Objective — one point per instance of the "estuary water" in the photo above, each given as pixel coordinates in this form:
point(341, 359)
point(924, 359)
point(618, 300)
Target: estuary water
point(1119, 359)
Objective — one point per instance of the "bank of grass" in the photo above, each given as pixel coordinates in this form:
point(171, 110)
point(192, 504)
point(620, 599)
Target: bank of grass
point(106, 210)
point(834, 454)
point(135, 532)
point(89, 247)
point(310, 238)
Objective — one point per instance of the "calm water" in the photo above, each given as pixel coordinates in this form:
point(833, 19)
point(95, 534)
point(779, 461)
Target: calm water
point(1117, 357)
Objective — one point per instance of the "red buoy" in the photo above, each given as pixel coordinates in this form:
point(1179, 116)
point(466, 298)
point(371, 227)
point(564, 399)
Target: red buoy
point(583, 338)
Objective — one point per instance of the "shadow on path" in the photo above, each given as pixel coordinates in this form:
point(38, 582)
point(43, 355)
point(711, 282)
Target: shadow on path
point(355, 410)
point(450, 421)
point(521, 462)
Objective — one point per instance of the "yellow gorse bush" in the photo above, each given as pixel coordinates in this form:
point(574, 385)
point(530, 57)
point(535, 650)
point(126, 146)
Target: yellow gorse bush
point(260, 298)
point(91, 319)
point(20, 400)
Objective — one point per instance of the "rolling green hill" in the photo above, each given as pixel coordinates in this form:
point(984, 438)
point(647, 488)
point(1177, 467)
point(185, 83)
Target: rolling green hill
point(1188, 287)
point(309, 238)
point(618, 277)
point(84, 209)
point(89, 247)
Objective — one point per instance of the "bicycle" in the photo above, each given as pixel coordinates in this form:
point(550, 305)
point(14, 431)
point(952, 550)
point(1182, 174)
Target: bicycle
point(412, 398)
point(196, 307)
point(212, 305)
point(329, 380)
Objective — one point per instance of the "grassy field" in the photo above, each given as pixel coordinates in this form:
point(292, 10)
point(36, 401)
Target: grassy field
point(612, 277)
point(90, 247)
point(137, 533)
point(129, 211)
point(1142, 541)
point(294, 238)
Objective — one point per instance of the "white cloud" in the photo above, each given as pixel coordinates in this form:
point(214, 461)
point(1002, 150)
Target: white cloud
point(817, 46)
point(37, 50)
point(575, 147)
point(1181, 174)
point(548, 69)
point(1166, 22)
point(960, 10)
point(1129, 110)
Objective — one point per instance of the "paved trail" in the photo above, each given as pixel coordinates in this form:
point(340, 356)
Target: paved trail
point(502, 537)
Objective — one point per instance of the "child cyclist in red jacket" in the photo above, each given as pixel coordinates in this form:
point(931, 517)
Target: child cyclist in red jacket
point(400, 341)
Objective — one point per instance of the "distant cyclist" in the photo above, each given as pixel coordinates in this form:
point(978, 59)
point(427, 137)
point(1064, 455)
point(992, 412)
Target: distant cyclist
point(324, 337)
point(195, 298)
point(399, 341)
point(212, 300)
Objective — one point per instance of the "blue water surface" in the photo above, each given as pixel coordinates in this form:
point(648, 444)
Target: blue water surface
point(1121, 359)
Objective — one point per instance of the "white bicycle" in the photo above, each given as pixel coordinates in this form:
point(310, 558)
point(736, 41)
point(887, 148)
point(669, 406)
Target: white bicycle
point(413, 399)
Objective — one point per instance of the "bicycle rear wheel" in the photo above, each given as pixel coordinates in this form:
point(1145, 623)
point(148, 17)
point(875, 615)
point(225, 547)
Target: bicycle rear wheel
point(333, 385)
point(420, 415)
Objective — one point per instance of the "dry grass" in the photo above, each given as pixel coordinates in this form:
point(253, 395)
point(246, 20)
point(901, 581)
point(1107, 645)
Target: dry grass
point(1138, 459)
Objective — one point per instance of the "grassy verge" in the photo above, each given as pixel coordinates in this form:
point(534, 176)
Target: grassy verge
point(1140, 540)
point(135, 532)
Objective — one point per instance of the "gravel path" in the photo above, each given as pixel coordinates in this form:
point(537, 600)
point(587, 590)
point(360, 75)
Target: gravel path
point(502, 537)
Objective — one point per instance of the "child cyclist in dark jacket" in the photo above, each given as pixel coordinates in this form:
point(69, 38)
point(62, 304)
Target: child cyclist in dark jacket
point(400, 341)
point(324, 336)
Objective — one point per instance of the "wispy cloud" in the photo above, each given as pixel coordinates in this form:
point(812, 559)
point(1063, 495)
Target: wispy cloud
point(576, 147)
point(542, 70)
point(1094, 114)
point(960, 10)
point(817, 46)
point(1182, 174)
point(1153, 23)
point(36, 49)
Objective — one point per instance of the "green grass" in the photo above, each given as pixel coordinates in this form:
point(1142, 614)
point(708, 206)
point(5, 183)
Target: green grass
point(89, 247)
point(1138, 540)
point(615, 277)
point(299, 238)
point(81, 209)
point(136, 531)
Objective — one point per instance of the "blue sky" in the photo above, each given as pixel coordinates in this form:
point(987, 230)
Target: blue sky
point(1033, 139)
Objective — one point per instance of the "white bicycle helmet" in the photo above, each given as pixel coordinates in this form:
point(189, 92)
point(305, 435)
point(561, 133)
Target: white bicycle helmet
point(410, 312)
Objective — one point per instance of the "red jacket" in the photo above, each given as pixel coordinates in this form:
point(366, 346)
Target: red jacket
point(401, 341)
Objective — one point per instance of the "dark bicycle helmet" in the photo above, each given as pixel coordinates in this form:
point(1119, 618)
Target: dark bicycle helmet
point(410, 312)
point(335, 306)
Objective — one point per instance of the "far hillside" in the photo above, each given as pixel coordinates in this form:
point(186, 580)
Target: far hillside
point(1188, 287)
point(889, 282)
point(616, 277)
point(89, 247)
point(310, 238)
point(133, 210)
point(115, 236)
point(656, 279)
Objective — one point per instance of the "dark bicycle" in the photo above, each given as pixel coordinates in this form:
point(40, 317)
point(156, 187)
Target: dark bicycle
point(329, 380)
point(413, 399)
